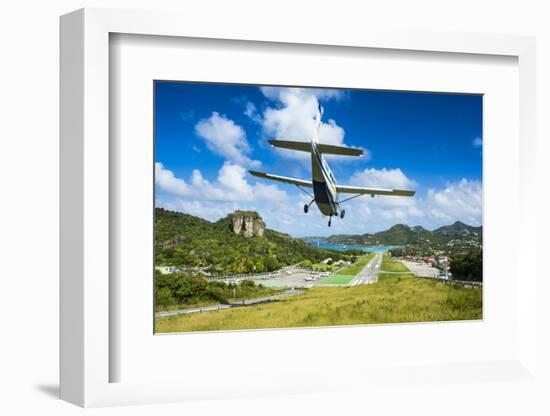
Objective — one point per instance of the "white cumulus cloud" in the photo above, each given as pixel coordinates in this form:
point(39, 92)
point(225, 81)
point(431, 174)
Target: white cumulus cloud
point(251, 112)
point(462, 201)
point(282, 207)
point(228, 192)
point(382, 178)
point(231, 185)
point(225, 138)
point(324, 94)
point(456, 201)
point(168, 182)
point(292, 117)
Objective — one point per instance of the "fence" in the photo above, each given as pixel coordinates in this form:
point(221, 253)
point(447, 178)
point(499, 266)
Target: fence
point(253, 276)
point(463, 283)
point(243, 276)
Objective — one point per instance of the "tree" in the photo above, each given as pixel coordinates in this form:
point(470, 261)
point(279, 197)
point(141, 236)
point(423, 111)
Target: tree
point(188, 287)
point(467, 266)
point(271, 263)
point(259, 264)
point(248, 284)
point(396, 252)
point(306, 264)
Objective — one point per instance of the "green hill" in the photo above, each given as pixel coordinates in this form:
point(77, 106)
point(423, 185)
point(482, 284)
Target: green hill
point(401, 234)
point(458, 229)
point(186, 241)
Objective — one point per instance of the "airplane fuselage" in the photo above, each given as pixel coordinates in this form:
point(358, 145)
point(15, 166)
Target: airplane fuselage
point(324, 184)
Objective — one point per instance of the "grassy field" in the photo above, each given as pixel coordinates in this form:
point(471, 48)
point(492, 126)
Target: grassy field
point(338, 279)
point(396, 298)
point(389, 265)
point(393, 277)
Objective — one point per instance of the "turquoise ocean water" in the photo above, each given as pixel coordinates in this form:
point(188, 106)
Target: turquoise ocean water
point(341, 247)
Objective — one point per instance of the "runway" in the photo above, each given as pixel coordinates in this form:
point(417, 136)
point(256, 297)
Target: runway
point(369, 274)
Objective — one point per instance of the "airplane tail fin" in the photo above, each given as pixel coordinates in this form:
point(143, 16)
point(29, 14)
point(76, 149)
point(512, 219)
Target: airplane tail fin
point(318, 116)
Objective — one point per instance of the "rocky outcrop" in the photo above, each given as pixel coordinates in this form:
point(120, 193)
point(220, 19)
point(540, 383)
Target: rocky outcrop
point(247, 224)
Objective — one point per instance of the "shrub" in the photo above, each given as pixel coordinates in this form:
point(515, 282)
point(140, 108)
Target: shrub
point(248, 284)
point(164, 297)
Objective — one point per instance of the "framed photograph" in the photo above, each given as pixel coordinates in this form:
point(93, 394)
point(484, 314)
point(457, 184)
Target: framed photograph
point(231, 251)
point(245, 215)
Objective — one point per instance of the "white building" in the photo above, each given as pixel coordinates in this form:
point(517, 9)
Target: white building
point(166, 269)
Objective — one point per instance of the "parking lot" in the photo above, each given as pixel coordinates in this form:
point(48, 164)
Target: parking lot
point(289, 278)
point(422, 269)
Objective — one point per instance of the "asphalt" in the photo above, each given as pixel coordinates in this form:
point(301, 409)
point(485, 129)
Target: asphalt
point(245, 302)
point(369, 274)
point(422, 269)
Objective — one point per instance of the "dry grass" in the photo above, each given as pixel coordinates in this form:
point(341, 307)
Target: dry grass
point(396, 298)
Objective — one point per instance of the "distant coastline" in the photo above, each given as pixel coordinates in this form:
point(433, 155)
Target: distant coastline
point(343, 247)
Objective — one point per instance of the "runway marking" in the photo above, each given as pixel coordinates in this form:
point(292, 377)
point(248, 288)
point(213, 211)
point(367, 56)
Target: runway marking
point(369, 273)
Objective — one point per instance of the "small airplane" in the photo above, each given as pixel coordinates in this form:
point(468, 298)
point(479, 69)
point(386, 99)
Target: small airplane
point(325, 188)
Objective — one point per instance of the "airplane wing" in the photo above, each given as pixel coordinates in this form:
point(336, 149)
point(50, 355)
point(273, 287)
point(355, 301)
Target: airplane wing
point(373, 191)
point(294, 181)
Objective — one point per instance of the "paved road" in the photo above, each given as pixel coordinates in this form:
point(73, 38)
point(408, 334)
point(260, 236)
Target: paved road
point(246, 302)
point(369, 274)
point(290, 277)
point(192, 310)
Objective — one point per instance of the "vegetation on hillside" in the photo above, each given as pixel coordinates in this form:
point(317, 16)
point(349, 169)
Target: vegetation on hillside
point(186, 241)
point(330, 266)
point(176, 290)
point(401, 234)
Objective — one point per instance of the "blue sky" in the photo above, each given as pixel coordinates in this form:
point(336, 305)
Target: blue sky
point(208, 135)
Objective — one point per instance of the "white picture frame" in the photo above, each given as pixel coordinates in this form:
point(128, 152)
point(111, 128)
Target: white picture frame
point(85, 213)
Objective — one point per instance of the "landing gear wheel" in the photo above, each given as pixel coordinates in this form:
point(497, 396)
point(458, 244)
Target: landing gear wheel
point(329, 220)
point(342, 213)
point(306, 208)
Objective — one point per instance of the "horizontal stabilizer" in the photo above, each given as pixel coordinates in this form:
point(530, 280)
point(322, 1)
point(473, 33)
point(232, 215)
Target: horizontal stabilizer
point(339, 150)
point(294, 181)
point(372, 191)
point(287, 144)
point(322, 148)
